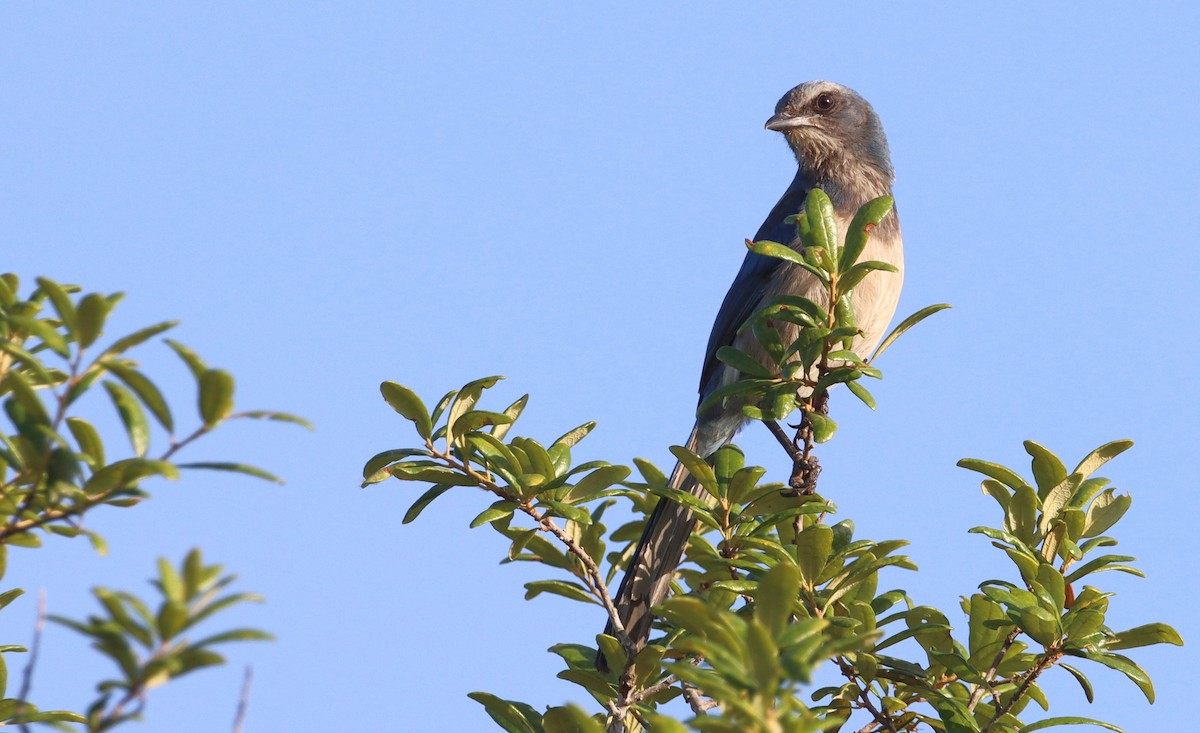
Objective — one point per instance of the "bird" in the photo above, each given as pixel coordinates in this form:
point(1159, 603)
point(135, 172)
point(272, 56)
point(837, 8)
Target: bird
point(840, 147)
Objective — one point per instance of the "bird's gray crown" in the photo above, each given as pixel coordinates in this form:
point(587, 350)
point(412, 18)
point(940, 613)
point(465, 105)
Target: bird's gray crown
point(836, 136)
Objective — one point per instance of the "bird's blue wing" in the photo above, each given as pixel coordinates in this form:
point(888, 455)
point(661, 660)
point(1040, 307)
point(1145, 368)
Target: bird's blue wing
point(746, 293)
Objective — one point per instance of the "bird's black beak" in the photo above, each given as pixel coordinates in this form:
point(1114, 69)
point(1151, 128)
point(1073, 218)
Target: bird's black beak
point(784, 121)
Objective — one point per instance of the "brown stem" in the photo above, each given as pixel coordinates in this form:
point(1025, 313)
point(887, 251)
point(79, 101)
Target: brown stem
point(239, 717)
point(848, 671)
point(980, 690)
point(1048, 659)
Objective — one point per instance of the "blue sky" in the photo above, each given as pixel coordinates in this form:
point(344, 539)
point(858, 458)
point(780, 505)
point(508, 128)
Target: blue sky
point(331, 196)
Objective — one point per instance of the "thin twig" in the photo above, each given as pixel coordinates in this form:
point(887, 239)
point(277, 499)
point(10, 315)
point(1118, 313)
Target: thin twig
point(851, 674)
point(243, 701)
point(1043, 664)
point(982, 689)
point(35, 647)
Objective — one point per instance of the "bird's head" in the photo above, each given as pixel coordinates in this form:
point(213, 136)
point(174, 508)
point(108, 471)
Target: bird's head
point(835, 135)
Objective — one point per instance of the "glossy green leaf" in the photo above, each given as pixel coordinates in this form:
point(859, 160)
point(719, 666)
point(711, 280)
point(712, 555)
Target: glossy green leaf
point(1125, 666)
point(498, 510)
point(904, 326)
point(861, 226)
point(216, 396)
point(514, 411)
point(742, 362)
point(1067, 720)
point(861, 393)
point(597, 481)
point(406, 402)
point(822, 222)
point(783, 252)
point(419, 505)
point(1146, 635)
point(1082, 679)
point(475, 419)
point(823, 426)
point(572, 437)
point(697, 467)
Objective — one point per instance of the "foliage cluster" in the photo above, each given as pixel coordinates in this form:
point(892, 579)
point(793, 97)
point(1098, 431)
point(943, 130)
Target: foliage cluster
point(772, 588)
point(56, 469)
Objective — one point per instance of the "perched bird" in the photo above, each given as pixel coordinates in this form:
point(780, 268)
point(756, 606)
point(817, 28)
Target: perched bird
point(840, 148)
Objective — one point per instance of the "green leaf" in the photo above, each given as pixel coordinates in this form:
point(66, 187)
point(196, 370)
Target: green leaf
point(1082, 679)
point(861, 393)
point(698, 468)
point(235, 468)
point(1125, 666)
point(216, 396)
point(818, 209)
point(234, 635)
point(597, 481)
point(904, 326)
point(743, 362)
point(62, 304)
point(1102, 455)
point(419, 505)
point(170, 581)
point(783, 252)
point(1067, 720)
point(406, 402)
point(823, 426)
point(775, 597)
point(571, 719)
point(574, 591)
point(125, 343)
point(514, 717)
point(514, 411)
point(6, 598)
point(572, 437)
point(1048, 470)
point(498, 510)
point(1004, 475)
point(1145, 635)
point(132, 416)
point(1105, 511)
point(93, 311)
point(88, 439)
point(814, 546)
point(193, 361)
point(149, 394)
point(864, 222)
point(27, 358)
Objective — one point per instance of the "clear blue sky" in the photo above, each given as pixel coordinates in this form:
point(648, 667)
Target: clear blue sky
point(329, 196)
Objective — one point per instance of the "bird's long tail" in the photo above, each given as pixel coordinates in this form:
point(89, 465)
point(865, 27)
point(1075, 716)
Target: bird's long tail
point(652, 567)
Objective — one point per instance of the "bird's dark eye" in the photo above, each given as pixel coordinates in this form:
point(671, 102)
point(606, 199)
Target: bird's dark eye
point(825, 102)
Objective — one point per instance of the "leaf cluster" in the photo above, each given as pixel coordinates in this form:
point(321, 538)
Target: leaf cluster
point(56, 468)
